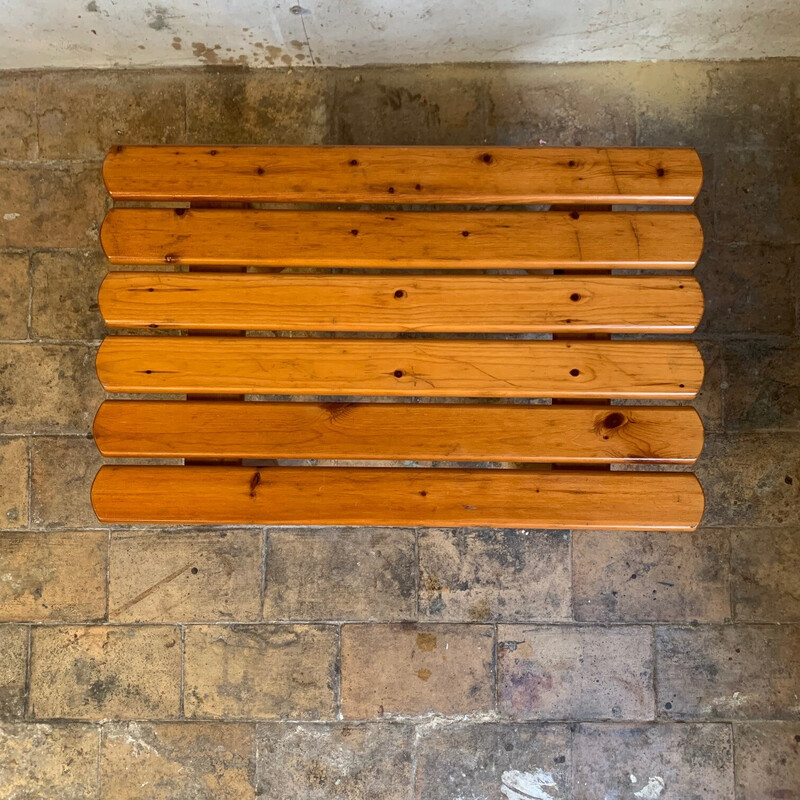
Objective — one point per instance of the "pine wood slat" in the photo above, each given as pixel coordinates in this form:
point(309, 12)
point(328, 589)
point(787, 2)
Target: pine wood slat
point(399, 431)
point(340, 174)
point(436, 368)
point(401, 240)
point(380, 496)
point(433, 303)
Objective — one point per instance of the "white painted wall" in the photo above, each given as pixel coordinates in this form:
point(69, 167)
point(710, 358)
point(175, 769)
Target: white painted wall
point(280, 33)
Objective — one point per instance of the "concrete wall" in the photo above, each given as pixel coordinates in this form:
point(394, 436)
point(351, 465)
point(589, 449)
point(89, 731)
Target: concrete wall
point(283, 33)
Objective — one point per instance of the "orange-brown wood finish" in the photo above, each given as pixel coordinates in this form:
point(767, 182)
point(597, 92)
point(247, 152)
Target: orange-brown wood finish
point(403, 239)
point(426, 303)
point(358, 174)
point(400, 367)
point(434, 282)
point(379, 496)
point(399, 431)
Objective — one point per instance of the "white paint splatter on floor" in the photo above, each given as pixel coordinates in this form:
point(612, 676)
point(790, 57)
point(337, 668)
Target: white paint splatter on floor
point(653, 790)
point(537, 785)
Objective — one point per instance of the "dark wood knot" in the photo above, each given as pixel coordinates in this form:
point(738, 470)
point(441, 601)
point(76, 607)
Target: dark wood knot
point(614, 420)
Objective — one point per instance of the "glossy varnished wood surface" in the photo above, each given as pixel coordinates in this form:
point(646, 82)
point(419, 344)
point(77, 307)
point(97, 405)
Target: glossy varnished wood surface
point(344, 174)
point(394, 367)
point(380, 496)
point(401, 240)
point(399, 431)
point(211, 368)
point(432, 303)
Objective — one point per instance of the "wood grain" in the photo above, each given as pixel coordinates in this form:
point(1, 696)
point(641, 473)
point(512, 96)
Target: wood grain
point(399, 431)
point(339, 174)
point(380, 496)
point(432, 303)
point(400, 367)
point(402, 240)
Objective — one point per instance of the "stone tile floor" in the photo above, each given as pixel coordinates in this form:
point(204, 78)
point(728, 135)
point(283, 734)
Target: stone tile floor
point(233, 663)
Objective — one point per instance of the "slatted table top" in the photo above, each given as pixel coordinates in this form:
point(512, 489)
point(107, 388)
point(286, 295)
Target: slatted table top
point(470, 334)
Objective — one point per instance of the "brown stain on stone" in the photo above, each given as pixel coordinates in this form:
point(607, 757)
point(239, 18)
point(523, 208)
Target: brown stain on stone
point(426, 642)
point(480, 611)
point(317, 773)
point(432, 583)
point(424, 674)
point(273, 51)
point(204, 53)
point(211, 55)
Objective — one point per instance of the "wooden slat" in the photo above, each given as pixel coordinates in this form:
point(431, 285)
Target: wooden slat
point(433, 303)
point(379, 496)
point(405, 174)
point(399, 431)
point(401, 240)
point(437, 368)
